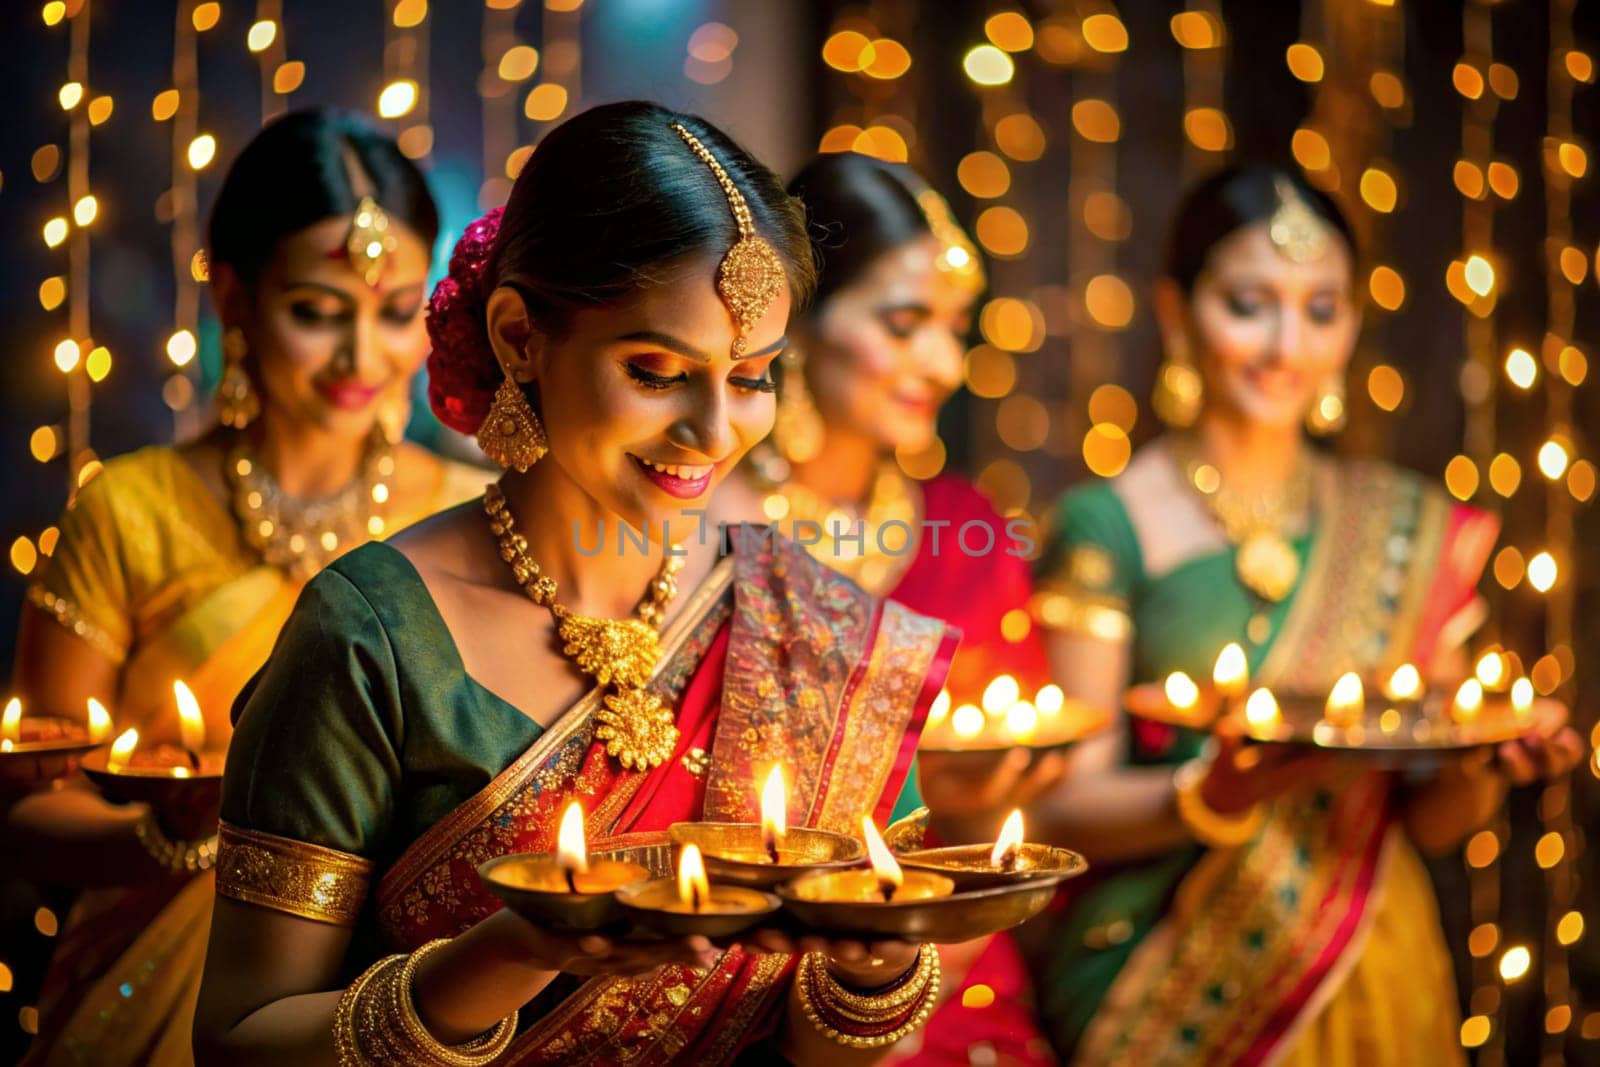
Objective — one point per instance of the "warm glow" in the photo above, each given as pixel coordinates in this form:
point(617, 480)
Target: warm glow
point(572, 851)
point(99, 721)
point(11, 721)
point(883, 862)
point(1050, 699)
point(1009, 843)
point(1261, 710)
point(774, 812)
point(1521, 368)
point(1468, 701)
point(67, 354)
point(1347, 702)
point(1479, 275)
point(1231, 674)
point(940, 709)
point(693, 888)
point(967, 721)
point(181, 348)
point(1491, 669)
point(1405, 683)
point(1542, 572)
point(55, 231)
point(1000, 694)
point(988, 65)
point(190, 721)
point(397, 98)
point(121, 749)
point(1522, 697)
point(1022, 719)
point(1181, 691)
point(1514, 964)
point(261, 36)
point(85, 210)
point(1553, 459)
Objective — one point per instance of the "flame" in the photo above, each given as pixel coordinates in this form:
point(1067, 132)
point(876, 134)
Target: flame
point(1231, 674)
point(1468, 702)
point(1261, 710)
point(1405, 683)
point(1491, 669)
point(693, 889)
point(774, 814)
point(1181, 691)
point(11, 722)
point(940, 708)
point(99, 721)
point(1522, 698)
point(1009, 843)
point(190, 721)
point(883, 862)
point(572, 851)
point(121, 749)
point(967, 722)
point(1347, 703)
point(1022, 720)
point(1050, 699)
point(1000, 694)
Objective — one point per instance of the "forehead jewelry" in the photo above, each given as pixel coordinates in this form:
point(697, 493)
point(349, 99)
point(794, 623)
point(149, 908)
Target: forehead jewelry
point(1299, 234)
point(369, 240)
point(750, 276)
point(957, 258)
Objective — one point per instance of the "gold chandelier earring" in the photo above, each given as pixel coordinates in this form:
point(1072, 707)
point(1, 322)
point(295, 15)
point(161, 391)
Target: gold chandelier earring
point(237, 403)
point(797, 430)
point(1327, 414)
point(1179, 387)
point(511, 433)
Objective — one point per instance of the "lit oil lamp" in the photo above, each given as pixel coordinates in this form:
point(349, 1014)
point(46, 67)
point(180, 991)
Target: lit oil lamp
point(1491, 671)
point(99, 722)
point(1000, 694)
point(1522, 701)
point(1468, 702)
point(1347, 702)
point(1231, 673)
point(1261, 713)
point(569, 890)
point(1003, 719)
point(761, 856)
point(690, 904)
point(1022, 720)
point(1009, 859)
point(36, 749)
point(1404, 684)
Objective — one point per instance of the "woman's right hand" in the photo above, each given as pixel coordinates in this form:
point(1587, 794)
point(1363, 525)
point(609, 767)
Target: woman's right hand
point(1243, 775)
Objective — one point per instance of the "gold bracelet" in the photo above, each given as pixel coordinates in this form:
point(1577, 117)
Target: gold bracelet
point(884, 1004)
point(1210, 827)
point(346, 1025)
point(176, 856)
point(423, 1046)
point(814, 1001)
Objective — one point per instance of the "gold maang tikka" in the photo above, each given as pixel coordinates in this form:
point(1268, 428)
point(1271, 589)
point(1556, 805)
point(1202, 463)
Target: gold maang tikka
point(957, 258)
point(751, 274)
point(369, 240)
point(1298, 232)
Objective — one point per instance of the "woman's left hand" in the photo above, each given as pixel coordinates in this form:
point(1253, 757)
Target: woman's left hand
point(861, 964)
point(1547, 752)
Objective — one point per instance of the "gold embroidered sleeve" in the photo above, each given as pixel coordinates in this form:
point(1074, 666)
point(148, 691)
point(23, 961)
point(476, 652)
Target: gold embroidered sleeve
point(281, 873)
point(1104, 618)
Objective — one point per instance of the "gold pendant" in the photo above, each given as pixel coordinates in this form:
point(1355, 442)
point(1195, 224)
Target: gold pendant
point(624, 651)
point(1267, 565)
point(637, 728)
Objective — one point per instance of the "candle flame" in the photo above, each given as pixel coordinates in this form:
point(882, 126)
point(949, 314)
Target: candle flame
point(693, 888)
point(1009, 843)
point(1468, 702)
point(1000, 694)
point(572, 851)
point(121, 749)
point(967, 722)
point(1181, 691)
point(99, 721)
point(190, 721)
point(1261, 710)
point(1050, 699)
point(1231, 673)
point(940, 708)
point(1491, 669)
point(1405, 683)
point(1347, 703)
point(11, 722)
point(883, 862)
point(1522, 698)
point(774, 813)
point(1022, 720)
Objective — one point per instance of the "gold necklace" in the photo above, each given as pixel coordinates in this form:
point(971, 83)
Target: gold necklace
point(892, 500)
point(1254, 522)
point(637, 728)
point(300, 537)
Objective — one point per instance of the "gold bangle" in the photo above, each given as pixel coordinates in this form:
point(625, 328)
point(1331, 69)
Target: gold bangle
point(354, 1013)
point(883, 1004)
point(1210, 827)
point(422, 1045)
point(176, 856)
point(814, 986)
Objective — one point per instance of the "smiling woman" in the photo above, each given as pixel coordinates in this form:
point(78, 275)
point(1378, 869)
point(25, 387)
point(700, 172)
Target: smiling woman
point(441, 699)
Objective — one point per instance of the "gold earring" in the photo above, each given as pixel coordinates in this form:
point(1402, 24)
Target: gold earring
point(1179, 387)
point(511, 433)
point(797, 430)
point(1327, 414)
point(237, 403)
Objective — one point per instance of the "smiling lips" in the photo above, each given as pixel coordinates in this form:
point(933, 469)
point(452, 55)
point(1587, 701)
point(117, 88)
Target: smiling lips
point(682, 480)
point(347, 395)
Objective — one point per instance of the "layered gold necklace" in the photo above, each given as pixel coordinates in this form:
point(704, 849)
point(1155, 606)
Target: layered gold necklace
point(638, 729)
point(1254, 521)
point(301, 536)
point(881, 553)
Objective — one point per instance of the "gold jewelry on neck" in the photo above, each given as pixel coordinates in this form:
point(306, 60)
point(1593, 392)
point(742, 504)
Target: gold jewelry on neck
point(958, 258)
point(881, 555)
point(750, 276)
point(300, 537)
point(639, 731)
point(1253, 521)
point(369, 240)
point(1298, 232)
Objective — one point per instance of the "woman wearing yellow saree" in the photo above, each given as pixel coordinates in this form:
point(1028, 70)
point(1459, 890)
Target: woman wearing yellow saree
point(1259, 908)
point(183, 562)
point(441, 699)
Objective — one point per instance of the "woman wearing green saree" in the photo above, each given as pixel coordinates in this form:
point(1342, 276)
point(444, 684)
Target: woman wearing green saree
point(1258, 908)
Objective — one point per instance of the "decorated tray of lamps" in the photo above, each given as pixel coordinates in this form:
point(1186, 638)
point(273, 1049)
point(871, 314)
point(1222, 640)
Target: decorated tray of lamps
point(1003, 720)
point(38, 749)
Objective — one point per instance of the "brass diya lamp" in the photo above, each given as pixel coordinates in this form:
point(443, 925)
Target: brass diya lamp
point(881, 902)
point(567, 890)
point(1010, 859)
point(182, 782)
point(1003, 720)
point(760, 856)
point(37, 749)
point(690, 904)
